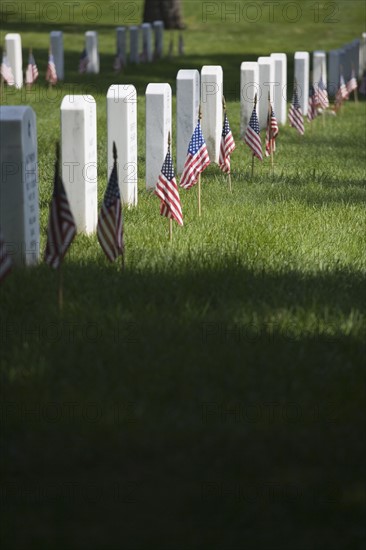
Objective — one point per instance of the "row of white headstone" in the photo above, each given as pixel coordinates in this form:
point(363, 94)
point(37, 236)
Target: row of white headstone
point(18, 138)
point(142, 48)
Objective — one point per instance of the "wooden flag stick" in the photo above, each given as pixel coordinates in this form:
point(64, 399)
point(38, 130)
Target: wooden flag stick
point(269, 122)
point(199, 177)
point(229, 175)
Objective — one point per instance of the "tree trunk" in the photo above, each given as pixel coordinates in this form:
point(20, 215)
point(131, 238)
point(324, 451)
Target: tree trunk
point(168, 11)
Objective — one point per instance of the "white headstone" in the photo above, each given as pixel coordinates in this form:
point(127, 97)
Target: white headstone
point(319, 67)
point(158, 126)
point(121, 34)
point(57, 48)
point(266, 84)
point(249, 86)
point(91, 45)
point(158, 27)
point(348, 60)
point(19, 209)
point(134, 45)
point(13, 46)
point(122, 129)
point(147, 52)
point(336, 60)
point(362, 55)
point(301, 72)
point(79, 158)
point(188, 100)
point(212, 90)
point(279, 100)
point(356, 55)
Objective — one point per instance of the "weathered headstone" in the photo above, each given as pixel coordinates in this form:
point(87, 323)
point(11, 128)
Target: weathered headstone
point(122, 129)
point(211, 104)
point(301, 72)
point(147, 53)
point(13, 46)
point(79, 158)
point(188, 100)
point(19, 209)
point(319, 67)
point(266, 84)
point(158, 27)
point(91, 46)
point(57, 48)
point(121, 33)
point(279, 100)
point(249, 86)
point(134, 45)
point(158, 126)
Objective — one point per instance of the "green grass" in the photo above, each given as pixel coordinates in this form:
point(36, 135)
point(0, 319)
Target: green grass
point(211, 396)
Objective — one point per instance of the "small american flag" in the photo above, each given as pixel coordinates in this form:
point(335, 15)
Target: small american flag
point(322, 95)
point(352, 83)
point(5, 261)
point(167, 190)
point(197, 159)
point(271, 133)
point(295, 114)
point(31, 73)
point(51, 75)
point(110, 223)
point(83, 62)
point(227, 146)
point(252, 136)
point(6, 72)
point(342, 93)
point(61, 225)
point(313, 104)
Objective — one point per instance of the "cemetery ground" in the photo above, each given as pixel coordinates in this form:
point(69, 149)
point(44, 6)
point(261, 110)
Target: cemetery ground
point(212, 394)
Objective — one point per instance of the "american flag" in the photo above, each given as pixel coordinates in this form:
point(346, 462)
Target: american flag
point(110, 223)
point(342, 90)
point(84, 61)
point(313, 104)
point(352, 83)
point(252, 136)
point(51, 75)
point(271, 133)
point(5, 261)
point(295, 114)
point(322, 94)
point(61, 224)
point(167, 190)
point(31, 73)
point(197, 159)
point(6, 71)
point(227, 146)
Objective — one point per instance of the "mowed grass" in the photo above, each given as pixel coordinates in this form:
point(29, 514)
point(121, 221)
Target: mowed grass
point(212, 394)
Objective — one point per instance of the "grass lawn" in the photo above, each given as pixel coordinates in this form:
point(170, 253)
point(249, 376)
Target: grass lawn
point(212, 395)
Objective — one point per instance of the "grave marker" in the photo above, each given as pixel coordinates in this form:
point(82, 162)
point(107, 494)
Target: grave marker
point(91, 46)
point(158, 126)
point(57, 48)
point(122, 129)
point(266, 84)
point(211, 106)
point(79, 158)
point(19, 208)
point(188, 100)
point(249, 87)
point(13, 46)
point(301, 72)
